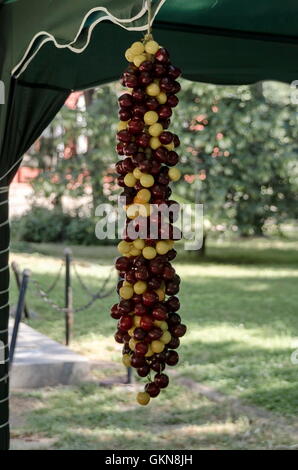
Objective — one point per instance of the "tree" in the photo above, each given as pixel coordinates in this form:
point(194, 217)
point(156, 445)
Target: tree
point(240, 156)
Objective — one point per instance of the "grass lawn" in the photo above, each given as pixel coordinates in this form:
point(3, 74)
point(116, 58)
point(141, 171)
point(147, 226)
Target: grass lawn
point(240, 305)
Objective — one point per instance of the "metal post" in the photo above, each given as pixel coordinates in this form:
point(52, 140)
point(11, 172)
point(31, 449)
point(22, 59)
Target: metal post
point(68, 297)
point(16, 270)
point(18, 316)
point(129, 376)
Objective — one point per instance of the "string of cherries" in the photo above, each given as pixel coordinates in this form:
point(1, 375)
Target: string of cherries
point(148, 323)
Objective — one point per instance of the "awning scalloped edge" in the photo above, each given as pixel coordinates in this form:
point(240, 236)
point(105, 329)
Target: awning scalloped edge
point(27, 57)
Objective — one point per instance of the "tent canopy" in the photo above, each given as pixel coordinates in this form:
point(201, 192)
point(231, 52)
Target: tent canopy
point(49, 48)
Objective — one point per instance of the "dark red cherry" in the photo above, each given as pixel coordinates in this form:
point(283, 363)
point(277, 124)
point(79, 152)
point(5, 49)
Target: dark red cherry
point(162, 55)
point(127, 164)
point(144, 370)
point(125, 322)
point(166, 84)
point(155, 167)
point(124, 136)
point(157, 366)
point(152, 103)
point(137, 361)
point(125, 306)
point(140, 309)
point(139, 334)
point(161, 380)
point(155, 333)
point(161, 154)
point(178, 330)
point(149, 299)
point(143, 140)
point(159, 313)
point(173, 304)
point(130, 149)
point(172, 358)
point(146, 66)
point(138, 94)
point(164, 111)
point(141, 349)
point(159, 70)
point(174, 72)
point(119, 336)
point(124, 114)
point(152, 389)
point(125, 101)
point(145, 78)
point(176, 87)
point(135, 126)
point(122, 263)
point(172, 158)
point(176, 140)
point(174, 343)
point(139, 110)
point(166, 137)
point(172, 101)
point(146, 322)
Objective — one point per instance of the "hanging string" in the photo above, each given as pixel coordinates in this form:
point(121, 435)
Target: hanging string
point(148, 36)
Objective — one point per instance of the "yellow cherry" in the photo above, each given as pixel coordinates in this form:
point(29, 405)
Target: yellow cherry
point(129, 55)
point(155, 143)
point(132, 211)
point(145, 209)
point(143, 398)
point(139, 59)
point(149, 352)
point(131, 330)
point(140, 287)
point(137, 173)
point(149, 252)
point(137, 321)
point(137, 48)
point(126, 292)
point(134, 251)
point(132, 343)
point(122, 125)
point(162, 98)
point(162, 247)
point(123, 247)
point(150, 117)
point(171, 243)
point(155, 130)
point(144, 195)
point(170, 146)
point(126, 360)
point(174, 174)
point(126, 284)
point(157, 346)
point(151, 47)
point(147, 180)
point(161, 294)
point(130, 180)
point(166, 337)
point(139, 244)
point(161, 324)
point(153, 89)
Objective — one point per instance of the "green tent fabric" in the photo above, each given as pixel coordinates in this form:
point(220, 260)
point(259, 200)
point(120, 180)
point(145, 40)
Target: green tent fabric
point(65, 46)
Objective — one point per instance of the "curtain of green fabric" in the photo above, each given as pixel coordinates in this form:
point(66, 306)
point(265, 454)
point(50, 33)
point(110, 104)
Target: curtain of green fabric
point(30, 110)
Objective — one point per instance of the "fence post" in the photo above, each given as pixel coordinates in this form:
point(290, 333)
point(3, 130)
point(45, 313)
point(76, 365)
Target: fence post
point(18, 316)
point(68, 297)
point(15, 268)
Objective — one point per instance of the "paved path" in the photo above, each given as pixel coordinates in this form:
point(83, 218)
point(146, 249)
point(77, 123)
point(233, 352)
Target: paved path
point(40, 362)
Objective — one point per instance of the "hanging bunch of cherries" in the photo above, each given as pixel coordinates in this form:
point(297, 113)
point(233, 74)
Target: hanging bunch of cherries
point(149, 326)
